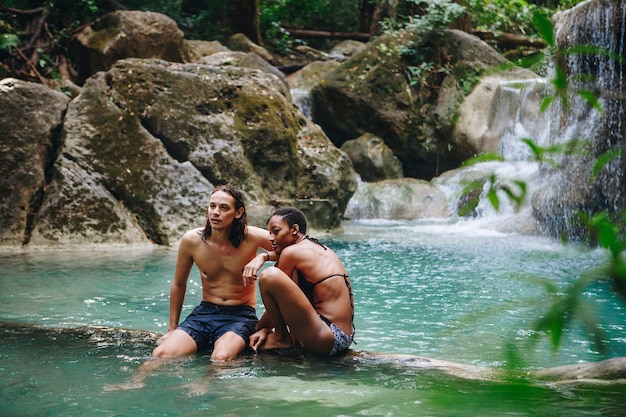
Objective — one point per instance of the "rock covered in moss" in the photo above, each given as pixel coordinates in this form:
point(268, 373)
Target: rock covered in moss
point(31, 115)
point(125, 34)
point(143, 144)
point(406, 88)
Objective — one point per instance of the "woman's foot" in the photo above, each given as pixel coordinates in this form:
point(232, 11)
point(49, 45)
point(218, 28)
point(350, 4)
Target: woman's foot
point(276, 341)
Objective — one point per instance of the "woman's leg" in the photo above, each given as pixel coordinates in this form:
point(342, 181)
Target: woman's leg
point(291, 311)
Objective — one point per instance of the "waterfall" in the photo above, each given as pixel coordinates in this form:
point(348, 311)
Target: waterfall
point(558, 193)
point(571, 189)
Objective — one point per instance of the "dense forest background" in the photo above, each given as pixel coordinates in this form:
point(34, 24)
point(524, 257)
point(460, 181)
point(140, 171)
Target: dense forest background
point(34, 34)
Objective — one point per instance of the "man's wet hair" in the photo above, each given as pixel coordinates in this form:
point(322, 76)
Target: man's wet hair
point(238, 228)
point(292, 216)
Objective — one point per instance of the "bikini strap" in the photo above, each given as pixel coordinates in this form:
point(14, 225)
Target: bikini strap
point(314, 240)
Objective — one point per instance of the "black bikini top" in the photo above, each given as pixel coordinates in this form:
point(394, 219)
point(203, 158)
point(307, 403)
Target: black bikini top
point(308, 287)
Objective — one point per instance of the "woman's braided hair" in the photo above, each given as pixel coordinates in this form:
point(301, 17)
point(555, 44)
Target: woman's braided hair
point(292, 216)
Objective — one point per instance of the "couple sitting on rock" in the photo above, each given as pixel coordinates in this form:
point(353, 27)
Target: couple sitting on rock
point(307, 295)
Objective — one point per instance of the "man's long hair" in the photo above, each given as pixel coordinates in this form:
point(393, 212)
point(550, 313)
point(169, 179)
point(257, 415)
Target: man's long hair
point(238, 229)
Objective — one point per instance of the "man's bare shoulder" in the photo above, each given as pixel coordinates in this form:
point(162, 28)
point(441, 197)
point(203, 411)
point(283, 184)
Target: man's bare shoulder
point(191, 236)
point(256, 233)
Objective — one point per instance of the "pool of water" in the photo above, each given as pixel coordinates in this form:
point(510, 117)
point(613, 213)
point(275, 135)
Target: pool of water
point(78, 326)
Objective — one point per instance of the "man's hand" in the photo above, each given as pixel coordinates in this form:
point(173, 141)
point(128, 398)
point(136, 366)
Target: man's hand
point(163, 338)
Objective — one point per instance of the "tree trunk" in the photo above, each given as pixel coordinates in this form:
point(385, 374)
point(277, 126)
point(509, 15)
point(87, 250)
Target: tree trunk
point(381, 9)
point(245, 19)
point(464, 22)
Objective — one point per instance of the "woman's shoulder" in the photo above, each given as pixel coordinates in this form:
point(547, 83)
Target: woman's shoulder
point(305, 248)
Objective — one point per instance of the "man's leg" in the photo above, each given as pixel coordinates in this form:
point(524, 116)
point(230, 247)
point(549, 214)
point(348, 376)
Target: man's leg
point(178, 343)
point(228, 346)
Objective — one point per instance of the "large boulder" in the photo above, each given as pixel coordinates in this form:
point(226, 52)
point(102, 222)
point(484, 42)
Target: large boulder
point(390, 90)
point(235, 124)
point(31, 115)
point(125, 34)
point(142, 146)
point(114, 183)
point(503, 104)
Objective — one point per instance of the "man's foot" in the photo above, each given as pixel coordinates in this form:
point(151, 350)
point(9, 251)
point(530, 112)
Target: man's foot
point(124, 386)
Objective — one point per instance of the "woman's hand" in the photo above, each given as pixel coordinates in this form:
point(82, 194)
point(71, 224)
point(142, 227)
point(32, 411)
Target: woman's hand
point(251, 269)
point(258, 339)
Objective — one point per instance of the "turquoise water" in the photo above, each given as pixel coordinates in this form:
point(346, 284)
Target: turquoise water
point(444, 291)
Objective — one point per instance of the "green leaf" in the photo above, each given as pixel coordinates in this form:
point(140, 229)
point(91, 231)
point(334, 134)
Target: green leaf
point(537, 150)
point(9, 41)
point(591, 326)
point(493, 199)
point(483, 157)
point(560, 80)
point(546, 102)
point(591, 99)
point(544, 27)
point(605, 159)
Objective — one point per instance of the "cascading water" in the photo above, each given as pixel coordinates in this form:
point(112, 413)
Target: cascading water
point(559, 189)
point(571, 189)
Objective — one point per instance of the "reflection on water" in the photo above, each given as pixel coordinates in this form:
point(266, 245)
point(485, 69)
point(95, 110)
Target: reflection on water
point(429, 289)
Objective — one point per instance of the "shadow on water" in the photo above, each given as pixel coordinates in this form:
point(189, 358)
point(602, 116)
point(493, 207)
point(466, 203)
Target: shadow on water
point(66, 372)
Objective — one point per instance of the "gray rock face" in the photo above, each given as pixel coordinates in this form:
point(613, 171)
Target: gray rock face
point(31, 115)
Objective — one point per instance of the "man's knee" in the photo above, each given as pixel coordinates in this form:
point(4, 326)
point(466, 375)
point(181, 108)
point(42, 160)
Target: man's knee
point(228, 347)
point(179, 343)
point(223, 356)
point(158, 352)
point(164, 351)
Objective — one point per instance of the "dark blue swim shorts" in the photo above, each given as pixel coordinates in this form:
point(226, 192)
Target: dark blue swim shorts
point(208, 322)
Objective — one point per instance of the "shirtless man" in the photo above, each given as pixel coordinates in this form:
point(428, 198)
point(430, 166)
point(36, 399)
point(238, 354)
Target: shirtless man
point(224, 251)
point(307, 295)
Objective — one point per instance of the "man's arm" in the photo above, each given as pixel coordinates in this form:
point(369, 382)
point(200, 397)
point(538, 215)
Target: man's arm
point(184, 263)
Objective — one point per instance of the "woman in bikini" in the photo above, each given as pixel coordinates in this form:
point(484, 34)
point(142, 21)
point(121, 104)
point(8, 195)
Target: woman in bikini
point(307, 295)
